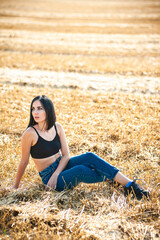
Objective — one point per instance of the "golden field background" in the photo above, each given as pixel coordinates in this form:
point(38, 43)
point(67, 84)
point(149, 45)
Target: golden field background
point(99, 61)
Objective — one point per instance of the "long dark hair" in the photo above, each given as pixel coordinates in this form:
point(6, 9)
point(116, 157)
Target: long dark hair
point(49, 109)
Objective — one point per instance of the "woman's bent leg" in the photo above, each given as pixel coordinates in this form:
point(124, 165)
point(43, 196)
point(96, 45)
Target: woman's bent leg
point(72, 177)
point(87, 168)
point(93, 161)
point(90, 168)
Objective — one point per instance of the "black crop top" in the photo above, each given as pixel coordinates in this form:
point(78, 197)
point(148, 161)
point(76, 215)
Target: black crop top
point(44, 148)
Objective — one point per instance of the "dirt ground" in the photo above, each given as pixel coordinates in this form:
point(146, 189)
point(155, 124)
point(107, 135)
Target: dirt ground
point(100, 63)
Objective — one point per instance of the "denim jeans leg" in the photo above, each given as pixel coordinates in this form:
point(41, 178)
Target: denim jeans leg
point(87, 168)
point(94, 162)
point(72, 177)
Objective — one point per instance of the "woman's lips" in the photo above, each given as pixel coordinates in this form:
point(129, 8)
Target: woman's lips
point(36, 117)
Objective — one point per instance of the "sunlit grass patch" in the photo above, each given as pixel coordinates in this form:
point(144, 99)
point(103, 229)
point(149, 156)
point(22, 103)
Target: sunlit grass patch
point(99, 63)
point(122, 128)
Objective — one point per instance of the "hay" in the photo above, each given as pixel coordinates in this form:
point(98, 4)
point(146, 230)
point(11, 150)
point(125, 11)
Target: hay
point(116, 117)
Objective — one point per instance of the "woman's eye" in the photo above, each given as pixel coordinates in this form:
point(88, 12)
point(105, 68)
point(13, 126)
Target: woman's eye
point(39, 108)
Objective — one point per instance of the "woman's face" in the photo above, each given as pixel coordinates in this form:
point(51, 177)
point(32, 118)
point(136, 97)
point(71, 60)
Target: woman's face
point(38, 112)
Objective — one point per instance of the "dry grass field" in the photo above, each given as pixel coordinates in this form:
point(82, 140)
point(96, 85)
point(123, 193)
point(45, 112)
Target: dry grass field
point(99, 61)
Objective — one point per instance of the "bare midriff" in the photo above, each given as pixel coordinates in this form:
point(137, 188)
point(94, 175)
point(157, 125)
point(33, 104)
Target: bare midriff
point(43, 163)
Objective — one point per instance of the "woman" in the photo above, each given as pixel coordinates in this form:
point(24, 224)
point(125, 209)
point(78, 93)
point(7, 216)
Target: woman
point(45, 140)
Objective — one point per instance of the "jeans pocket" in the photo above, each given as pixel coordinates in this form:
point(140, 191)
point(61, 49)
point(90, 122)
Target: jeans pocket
point(47, 172)
point(45, 175)
point(46, 178)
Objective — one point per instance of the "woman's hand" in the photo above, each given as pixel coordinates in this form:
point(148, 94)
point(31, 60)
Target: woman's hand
point(52, 183)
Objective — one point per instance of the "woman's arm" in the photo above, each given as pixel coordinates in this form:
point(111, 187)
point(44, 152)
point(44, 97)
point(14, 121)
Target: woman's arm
point(26, 145)
point(64, 150)
point(65, 157)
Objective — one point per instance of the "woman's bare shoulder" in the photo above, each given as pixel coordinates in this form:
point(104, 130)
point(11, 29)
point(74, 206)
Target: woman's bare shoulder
point(28, 133)
point(59, 127)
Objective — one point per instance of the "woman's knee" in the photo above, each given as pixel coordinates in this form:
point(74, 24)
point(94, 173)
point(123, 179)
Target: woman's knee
point(81, 169)
point(90, 154)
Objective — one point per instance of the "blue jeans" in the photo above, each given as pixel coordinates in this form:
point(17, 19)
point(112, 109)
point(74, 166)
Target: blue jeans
point(87, 168)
